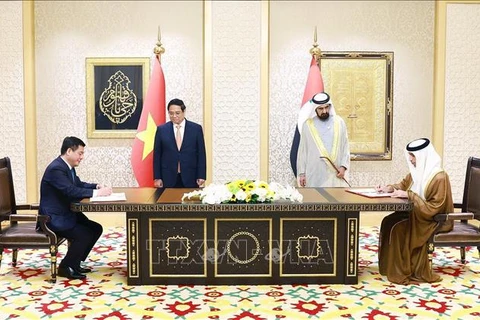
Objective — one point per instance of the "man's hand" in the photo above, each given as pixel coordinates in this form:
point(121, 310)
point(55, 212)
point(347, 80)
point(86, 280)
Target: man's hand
point(341, 172)
point(200, 182)
point(302, 181)
point(399, 194)
point(382, 189)
point(104, 191)
point(158, 183)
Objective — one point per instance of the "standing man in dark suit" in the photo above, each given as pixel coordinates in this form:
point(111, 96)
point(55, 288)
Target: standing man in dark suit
point(179, 159)
point(59, 187)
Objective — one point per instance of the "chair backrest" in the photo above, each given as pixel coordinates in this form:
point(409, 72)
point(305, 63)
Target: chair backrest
point(7, 194)
point(471, 198)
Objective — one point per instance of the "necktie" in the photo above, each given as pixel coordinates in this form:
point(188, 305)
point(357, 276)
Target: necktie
point(73, 175)
point(178, 139)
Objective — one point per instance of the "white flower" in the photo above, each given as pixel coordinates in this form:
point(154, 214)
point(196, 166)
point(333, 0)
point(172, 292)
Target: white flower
point(241, 195)
point(215, 193)
point(261, 192)
point(246, 191)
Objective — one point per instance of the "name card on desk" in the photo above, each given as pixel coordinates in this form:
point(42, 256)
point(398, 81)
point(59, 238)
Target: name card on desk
point(113, 197)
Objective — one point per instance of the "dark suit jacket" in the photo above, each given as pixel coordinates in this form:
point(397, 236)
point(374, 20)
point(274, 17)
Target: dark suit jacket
point(57, 191)
point(191, 155)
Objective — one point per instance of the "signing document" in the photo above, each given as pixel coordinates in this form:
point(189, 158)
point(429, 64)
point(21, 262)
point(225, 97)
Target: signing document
point(113, 197)
point(369, 192)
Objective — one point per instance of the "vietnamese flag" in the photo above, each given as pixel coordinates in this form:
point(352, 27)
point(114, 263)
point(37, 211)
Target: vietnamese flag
point(314, 85)
point(153, 115)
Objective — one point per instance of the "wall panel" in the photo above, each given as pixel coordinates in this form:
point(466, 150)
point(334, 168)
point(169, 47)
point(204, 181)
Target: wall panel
point(12, 119)
point(462, 90)
point(122, 29)
point(404, 27)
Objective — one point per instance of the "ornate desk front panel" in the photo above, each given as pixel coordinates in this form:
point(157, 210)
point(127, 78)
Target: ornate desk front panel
point(270, 247)
point(169, 242)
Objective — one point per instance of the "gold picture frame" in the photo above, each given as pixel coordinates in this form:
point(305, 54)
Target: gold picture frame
point(361, 87)
point(116, 88)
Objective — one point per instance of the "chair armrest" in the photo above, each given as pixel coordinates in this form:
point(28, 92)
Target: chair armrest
point(453, 216)
point(26, 206)
point(28, 217)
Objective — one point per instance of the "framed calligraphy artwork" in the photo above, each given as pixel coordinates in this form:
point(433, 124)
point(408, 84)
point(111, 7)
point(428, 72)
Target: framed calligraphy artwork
point(361, 87)
point(116, 88)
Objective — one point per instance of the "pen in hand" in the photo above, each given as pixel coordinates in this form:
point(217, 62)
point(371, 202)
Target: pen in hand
point(384, 189)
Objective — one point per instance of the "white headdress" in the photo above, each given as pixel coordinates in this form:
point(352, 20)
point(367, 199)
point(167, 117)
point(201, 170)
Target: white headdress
point(308, 109)
point(428, 163)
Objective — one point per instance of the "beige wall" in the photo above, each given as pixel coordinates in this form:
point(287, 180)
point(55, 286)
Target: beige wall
point(63, 39)
point(12, 112)
point(236, 43)
point(404, 27)
point(462, 89)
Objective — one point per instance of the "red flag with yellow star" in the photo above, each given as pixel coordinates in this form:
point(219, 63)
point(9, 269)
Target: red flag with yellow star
point(153, 115)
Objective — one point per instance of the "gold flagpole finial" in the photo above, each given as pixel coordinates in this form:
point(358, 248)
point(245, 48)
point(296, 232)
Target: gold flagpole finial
point(158, 50)
point(315, 50)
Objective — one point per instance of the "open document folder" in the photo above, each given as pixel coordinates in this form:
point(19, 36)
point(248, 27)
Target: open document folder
point(113, 197)
point(369, 192)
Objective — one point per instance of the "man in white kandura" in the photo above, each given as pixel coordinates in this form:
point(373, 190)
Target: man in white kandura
point(324, 152)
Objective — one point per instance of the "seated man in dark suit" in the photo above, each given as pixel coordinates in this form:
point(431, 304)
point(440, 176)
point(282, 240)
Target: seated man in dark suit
point(59, 187)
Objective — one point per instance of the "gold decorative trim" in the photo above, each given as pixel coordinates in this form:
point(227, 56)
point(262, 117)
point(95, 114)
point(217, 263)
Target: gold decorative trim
point(150, 242)
point(335, 239)
point(439, 76)
point(352, 247)
point(308, 238)
point(255, 254)
point(264, 92)
point(29, 95)
point(439, 73)
point(269, 254)
point(240, 208)
point(132, 248)
point(90, 64)
point(208, 85)
point(187, 247)
point(369, 139)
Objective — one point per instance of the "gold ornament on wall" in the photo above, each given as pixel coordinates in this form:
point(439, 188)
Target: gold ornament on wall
point(118, 102)
point(361, 87)
point(116, 88)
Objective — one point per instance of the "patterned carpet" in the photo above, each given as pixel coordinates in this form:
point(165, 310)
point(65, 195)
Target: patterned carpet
point(24, 293)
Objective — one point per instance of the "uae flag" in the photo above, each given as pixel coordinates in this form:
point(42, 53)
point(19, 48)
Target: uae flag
point(153, 115)
point(314, 85)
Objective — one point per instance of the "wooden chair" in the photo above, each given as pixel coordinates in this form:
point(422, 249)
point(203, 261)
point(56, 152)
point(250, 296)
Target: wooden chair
point(466, 230)
point(19, 231)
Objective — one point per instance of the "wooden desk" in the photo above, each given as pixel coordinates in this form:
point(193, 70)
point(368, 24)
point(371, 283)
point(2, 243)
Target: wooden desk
point(169, 242)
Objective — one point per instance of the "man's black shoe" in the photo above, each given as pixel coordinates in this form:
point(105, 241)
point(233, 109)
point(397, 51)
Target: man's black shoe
point(70, 273)
point(83, 270)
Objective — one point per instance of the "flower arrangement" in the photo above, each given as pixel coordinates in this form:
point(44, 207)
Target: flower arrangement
point(244, 191)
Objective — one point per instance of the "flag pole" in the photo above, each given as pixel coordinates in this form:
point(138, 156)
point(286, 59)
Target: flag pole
point(159, 49)
point(152, 115)
point(315, 50)
point(313, 86)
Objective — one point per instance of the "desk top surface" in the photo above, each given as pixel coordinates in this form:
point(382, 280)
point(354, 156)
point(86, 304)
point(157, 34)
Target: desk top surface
point(169, 199)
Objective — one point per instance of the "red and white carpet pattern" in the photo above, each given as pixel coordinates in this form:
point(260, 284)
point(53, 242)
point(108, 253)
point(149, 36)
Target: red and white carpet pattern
point(25, 294)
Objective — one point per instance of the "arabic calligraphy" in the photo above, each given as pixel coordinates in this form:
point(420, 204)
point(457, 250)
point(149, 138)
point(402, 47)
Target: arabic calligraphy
point(118, 102)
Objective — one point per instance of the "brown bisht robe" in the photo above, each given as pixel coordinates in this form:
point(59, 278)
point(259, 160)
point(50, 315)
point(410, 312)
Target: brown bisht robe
point(402, 254)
